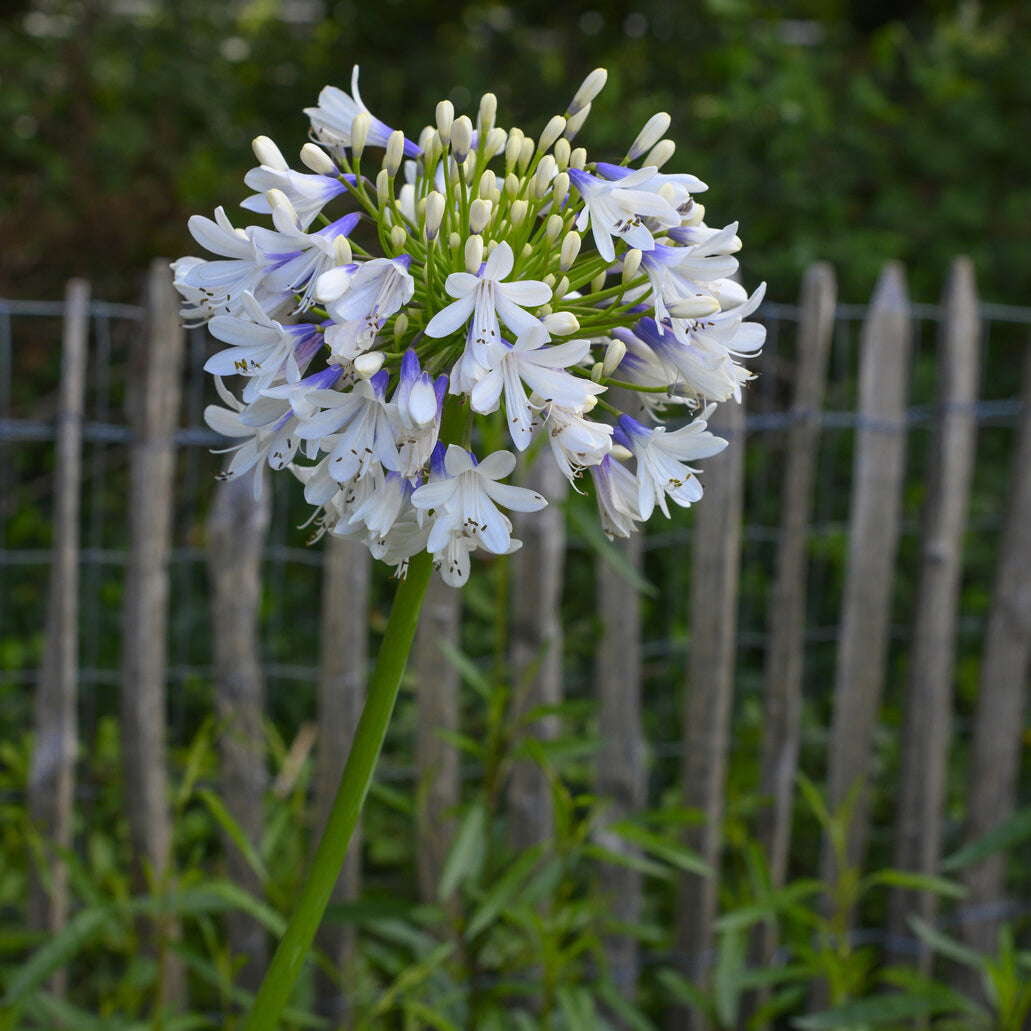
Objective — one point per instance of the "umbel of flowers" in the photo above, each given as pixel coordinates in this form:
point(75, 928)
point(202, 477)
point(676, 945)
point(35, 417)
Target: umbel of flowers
point(409, 292)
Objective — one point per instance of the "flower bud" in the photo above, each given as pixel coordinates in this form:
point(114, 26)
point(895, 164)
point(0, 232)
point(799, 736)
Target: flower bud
point(383, 190)
point(454, 241)
point(434, 214)
point(597, 369)
point(552, 131)
point(590, 402)
point(653, 131)
point(589, 89)
point(487, 184)
point(598, 283)
point(479, 214)
point(526, 153)
point(268, 153)
point(696, 307)
point(517, 213)
point(560, 189)
point(495, 143)
point(546, 171)
point(513, 148)
point(283, 213)
point(614, 354)
point(474, 254)
point(461, 137)
point(359, 131)
point(488, 112)
point(695, 214)
point(400, 327)
point(425, 136)
point(512, 184)
point(578, 158)
point(631, 265)
point(342, 250)
point(527, 251)
point(398, 238)
point(318, 160)
point(562, 288)
point(432, 151)
point(445, 119)
point(395, 152)
point(553, 228)
point(561, 323)
point(570, 250)
point(368, 364)
point(620, 453)
point(562, 151)
point(576, 122)
point(660, 153)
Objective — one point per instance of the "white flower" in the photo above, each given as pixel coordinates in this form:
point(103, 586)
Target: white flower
point(660, 456)
point(617, 209)
point(576, 441)
point(417, 405)
point(308, 194)
point(487, 297)
point(367, 295)
point(617, 494)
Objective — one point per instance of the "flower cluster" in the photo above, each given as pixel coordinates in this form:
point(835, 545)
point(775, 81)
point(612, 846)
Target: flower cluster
point(450, 294)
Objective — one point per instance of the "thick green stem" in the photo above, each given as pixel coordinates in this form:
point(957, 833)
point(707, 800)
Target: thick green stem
point(354, 785)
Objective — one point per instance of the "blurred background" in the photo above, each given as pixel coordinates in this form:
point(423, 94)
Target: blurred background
point(849, 130)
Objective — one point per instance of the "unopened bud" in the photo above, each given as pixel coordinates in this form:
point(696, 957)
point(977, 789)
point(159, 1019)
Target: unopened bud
point(318, 160)
point(562, 151)
point(561, 323)
point(434, 214)
point(562, 288)
point(696, 307)
point(512, 183)
point(488, 183)
point(494, 143)
point(268, 153)
point(488, 112)
point(461, 137)
point(479, 214)
point(660, 153)
point(398, 238)
point(526, 153)
point(553, 228)
point(570, 250)
point(597, 369)
point(400, 327)
point(527, 251)
point(395, 152)
point(620, 453)
point(598, 283)
point(578, 159)
point(631, 265)
point(359, 131)
point(576, 122)
point(695, 214)
point(432, 150)
point(383, 185)
point(454, 241)
point(517, 213)
point(653, 131)
point(614, 354)
point(342, 250)
point(589, 89)
point(283, 213)
point(445, 119)
point(546, 171)
point(552, 131)
point(560, 189)
point(589, 404)
point(513, 148)
point(474, 254)
point(368, 364)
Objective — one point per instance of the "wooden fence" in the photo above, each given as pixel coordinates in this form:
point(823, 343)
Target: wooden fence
point(789, 403)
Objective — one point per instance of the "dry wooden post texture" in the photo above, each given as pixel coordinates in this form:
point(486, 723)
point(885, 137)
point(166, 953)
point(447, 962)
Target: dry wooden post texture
point(154, 418)
point(620, 772)
point(51, 785)
point(343, 674)
point(437, 706)
point(925, 742)
point(715, 561)
point(537, 640)
point(999, 720)
point(237, 527)
point(784, 658)
point(873, 539)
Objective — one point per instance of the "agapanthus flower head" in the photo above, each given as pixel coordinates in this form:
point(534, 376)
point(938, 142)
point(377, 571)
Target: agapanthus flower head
point(514, 280)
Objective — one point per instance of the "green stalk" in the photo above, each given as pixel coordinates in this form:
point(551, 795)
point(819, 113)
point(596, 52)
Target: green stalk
point(347, 806)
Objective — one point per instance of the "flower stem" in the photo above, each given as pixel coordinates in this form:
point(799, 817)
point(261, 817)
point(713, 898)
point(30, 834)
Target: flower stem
point(347, 806)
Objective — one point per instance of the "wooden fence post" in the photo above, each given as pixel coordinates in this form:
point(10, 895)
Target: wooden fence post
point(999, 721)
point(715, 561)
point(154, 417)
point(343, 673)
point(925, 741)
point(437, 697)
point(51, 785)
point(537, 638)
point(236, 536)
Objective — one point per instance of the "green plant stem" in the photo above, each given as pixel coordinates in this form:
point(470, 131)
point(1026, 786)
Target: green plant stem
point(354, 785)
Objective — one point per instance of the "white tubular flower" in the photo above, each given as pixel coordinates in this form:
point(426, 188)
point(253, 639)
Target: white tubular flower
point(418, 406)
point(308, 194)
point(332, 119)
point(576, 441)
point(616, 490)
point(486, 298)
point(618, 209)
point(660, 460)
point(370, 295)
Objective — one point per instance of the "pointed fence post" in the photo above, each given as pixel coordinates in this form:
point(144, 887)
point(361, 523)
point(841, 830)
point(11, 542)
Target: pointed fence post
point(154, 418)
point(925, 742)
point(51, 785)
point(437, 696)
point(537, 638)
point(1002, 701)
point(715, 561)
point(237, 528)
point(343, 676)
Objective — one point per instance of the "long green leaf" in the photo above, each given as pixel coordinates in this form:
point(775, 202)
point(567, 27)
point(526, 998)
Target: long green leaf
point(467, 669)
point(671, 851)
point(1014, 831)
point(232, 828)
point(915, 882)
point(946, 946)
point(466, 855)
point(504, 891)
point(874, 1012)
